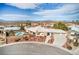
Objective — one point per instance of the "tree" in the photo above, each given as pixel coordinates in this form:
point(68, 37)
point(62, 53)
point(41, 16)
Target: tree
point(22, 27)
point(28, 23)
point(75, 21)
point(60, 25)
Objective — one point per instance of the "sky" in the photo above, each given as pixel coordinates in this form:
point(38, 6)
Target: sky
point(39, 11)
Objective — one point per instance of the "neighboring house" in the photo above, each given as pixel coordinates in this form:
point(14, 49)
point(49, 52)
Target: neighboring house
point(7, 31)
point(12, 28)
point(73, 34)
point(74, 28)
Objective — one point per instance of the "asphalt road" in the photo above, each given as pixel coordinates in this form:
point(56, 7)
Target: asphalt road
point(31, 49)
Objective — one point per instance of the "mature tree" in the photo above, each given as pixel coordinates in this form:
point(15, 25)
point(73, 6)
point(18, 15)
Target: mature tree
point(75, 21)
point(28, 23)
point(60, 25)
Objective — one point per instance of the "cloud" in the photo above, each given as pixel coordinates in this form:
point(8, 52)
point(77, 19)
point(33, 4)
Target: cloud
point(66, 12)
point(67, 8)
point(23, 5)
point(14, 17)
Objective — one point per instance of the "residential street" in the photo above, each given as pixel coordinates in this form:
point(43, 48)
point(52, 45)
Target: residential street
point(31, 49)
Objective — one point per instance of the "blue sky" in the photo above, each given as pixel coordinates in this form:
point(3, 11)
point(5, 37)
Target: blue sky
point(39, 11)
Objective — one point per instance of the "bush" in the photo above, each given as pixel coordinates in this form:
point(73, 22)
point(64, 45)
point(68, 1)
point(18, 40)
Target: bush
point(69, 47)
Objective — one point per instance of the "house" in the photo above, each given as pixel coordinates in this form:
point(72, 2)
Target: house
point(44, 29)
point(59, 35)
point(4, 30)
point(73, 34)
point(12, 28)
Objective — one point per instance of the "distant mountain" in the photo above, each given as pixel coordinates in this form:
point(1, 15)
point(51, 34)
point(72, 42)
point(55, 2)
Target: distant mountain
point(1, 20)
